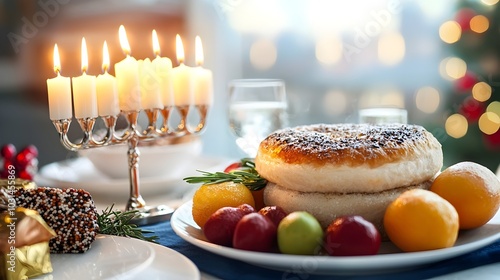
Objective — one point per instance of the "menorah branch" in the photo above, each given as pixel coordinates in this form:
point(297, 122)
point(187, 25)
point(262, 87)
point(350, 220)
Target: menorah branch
point(133, 135)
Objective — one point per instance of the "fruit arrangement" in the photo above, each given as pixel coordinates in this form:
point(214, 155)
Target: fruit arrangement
point(22, 164)
point(462, 197)
point(271, 229)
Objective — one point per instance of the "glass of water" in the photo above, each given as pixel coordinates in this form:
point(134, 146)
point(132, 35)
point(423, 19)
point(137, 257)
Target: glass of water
point(383, 115)
point(257, 107)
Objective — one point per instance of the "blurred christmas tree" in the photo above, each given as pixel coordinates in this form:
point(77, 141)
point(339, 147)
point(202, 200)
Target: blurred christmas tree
point(473, 115)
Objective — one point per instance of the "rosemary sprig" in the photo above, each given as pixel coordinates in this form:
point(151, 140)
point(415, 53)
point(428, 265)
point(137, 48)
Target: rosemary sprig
point(246, 175)
point(119, 223)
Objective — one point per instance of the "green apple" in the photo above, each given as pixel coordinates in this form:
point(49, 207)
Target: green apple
point(299, 233)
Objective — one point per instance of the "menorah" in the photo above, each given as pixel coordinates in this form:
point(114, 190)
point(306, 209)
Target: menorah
point(152, 87)
point(132, 135)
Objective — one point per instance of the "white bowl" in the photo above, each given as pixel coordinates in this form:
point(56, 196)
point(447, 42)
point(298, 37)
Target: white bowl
point(160, 159)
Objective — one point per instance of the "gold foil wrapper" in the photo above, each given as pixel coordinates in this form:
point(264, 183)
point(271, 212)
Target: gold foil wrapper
point(24, 246)
point(17, 183)
point(7, 189)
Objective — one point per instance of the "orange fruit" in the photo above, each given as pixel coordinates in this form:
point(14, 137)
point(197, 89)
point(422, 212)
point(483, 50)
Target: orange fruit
point(211, 197)
point(420, 220)
point(472, 189)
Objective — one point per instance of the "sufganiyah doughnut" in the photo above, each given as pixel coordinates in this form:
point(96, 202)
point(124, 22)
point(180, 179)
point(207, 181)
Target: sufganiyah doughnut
point(349, 158)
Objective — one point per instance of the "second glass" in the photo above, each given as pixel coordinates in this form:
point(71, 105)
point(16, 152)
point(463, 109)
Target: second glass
point(257, 107)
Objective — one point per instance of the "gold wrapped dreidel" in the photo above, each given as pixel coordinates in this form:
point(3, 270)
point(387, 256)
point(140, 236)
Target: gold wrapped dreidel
point(24, 247)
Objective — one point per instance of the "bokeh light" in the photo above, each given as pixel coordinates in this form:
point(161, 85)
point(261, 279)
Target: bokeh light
point(391, 48)
point(479, 24)
point(263, 54)
point(393, 98)
point(450, 32)
point(494, 107)
point(489, 2)
point(489, 123)
point(328, 50)
point(390, 97)
point(456, 126)
point(452, 68)
point(427, 99)
point(272, 18)
point(481, 91)
point(335, 102)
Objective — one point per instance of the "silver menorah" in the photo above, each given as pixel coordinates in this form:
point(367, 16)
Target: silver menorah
point(132, 136)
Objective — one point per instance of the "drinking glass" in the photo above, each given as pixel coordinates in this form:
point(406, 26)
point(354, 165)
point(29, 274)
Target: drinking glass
point(257, 107)
point(383, 115)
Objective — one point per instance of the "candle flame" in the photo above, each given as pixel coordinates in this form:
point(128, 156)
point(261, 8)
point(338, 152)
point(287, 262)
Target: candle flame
point(123, 40)
point(156, 44)
point(105, 57)
point(57, 60)
point(85, 58)
point(179, 48)
point(198, 51)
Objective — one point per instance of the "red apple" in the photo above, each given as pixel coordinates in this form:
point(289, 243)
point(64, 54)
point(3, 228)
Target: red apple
point(255, 232)
point(274, 213)
point(352, 236)
point(246, 208)
point(219, 228)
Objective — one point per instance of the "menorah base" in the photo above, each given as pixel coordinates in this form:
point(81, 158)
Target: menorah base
point(151, 215)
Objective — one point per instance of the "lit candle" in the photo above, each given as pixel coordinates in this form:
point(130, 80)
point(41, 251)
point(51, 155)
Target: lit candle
point(182, 78)
point(150, 85)
point(127, 77)
point(203, 80)
point(107, 95)
point(163, 67)
point(59, 92)
point(84, 90)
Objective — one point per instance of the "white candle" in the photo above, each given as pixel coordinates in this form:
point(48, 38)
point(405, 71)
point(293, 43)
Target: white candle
point(163, 68)
point(59, 92)
point(182, 78)
point(84, 90)
point(203, 80)
point(127, 77)
point(150, 85)
point(107, 94)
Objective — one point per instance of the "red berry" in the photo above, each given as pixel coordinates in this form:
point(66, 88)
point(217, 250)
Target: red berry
point(6, 164)
point(23, 174)
point(8, 151)
point(30, 149)
point(4, 174)
point(32, 166)
point(352, 236)
point(8, 170)
point(22, 160)
point(232, 167)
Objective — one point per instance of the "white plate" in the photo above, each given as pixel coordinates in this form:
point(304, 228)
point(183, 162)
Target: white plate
point(115, 257)
point(389, 259)
point(81, 173)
